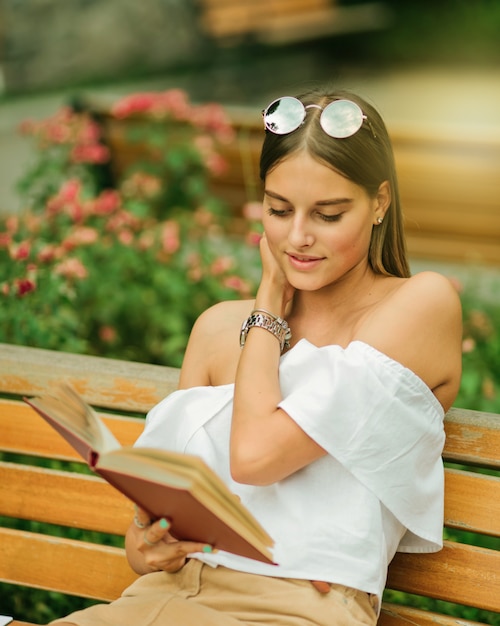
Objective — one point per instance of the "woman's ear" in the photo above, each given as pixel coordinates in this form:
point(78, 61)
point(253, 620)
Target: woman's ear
point(382, 202)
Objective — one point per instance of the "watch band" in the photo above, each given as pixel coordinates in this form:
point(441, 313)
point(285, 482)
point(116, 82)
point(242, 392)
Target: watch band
point(277, 326)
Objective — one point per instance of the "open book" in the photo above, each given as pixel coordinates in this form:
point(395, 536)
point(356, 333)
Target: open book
point(179, 487)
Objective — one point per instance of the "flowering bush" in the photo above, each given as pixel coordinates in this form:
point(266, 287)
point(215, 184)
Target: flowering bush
point(122, 271)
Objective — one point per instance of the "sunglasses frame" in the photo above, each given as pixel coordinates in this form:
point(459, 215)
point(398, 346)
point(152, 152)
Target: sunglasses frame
point(322, 120)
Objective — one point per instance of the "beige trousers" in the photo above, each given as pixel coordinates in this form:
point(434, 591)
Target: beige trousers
point(199, 595)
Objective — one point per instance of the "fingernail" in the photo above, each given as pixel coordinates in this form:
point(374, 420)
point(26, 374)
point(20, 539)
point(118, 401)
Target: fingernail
point(207, 548)
point(164, 523)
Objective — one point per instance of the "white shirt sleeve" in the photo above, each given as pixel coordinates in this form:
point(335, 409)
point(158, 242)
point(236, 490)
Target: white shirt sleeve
point(381, 422)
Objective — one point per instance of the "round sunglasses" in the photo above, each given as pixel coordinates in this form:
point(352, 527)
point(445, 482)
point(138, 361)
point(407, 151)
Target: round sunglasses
point(339, 119)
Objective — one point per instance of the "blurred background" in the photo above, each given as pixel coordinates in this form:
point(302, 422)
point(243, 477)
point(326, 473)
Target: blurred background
point(428, 66)
point(431, 68)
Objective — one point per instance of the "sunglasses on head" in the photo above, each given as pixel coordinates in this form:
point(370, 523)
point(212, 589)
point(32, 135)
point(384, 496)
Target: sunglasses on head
point(339, 119)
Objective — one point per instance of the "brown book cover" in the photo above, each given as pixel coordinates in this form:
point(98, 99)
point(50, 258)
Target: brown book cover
point(179, 487)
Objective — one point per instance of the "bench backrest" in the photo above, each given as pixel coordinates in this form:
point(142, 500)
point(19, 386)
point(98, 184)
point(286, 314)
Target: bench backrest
point(462, 573)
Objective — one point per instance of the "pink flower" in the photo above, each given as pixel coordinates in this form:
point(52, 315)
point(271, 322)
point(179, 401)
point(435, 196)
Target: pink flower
point(5, 240)
point(71, 268)
point(141, 185)
point(221, 265)
point(253, 238)
point(122, 219)
point(157, 104)
point(238, 284)
point(90, 153)
point(5, 289)
point(12, 224)
point(66, 198)
point(81, 236)
point(126, 237)
point(48, 253)
point(213, 118)
point(252, 211)
point(170, 241)
point(468, 345)
point(21, 251)
point(24, 286)
point(70, 190)
point(107, 202)
point(107, 334)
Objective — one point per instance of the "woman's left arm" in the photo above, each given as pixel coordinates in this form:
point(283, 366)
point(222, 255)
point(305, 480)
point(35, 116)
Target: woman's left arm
point(266, 444)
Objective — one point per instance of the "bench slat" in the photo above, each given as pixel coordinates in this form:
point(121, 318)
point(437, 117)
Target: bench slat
point(472, 502)
point(394, 615)
point(472, 437)
point(103, 571)
point(25, 432)
point(459, 573)
point(32, 493)
point(64, 498)
point(108, 383)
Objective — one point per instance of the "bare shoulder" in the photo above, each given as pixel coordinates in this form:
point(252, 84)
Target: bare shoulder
point(419, 324)
point(222, 316)
point(213, 349)
point(428, 294)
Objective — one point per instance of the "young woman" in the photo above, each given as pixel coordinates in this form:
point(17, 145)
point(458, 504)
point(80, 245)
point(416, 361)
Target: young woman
point(329, 425)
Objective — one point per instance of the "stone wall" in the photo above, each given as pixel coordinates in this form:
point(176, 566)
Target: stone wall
point(48, 44)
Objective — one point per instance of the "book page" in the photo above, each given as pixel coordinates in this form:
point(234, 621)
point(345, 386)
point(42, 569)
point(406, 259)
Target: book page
point(66, 408)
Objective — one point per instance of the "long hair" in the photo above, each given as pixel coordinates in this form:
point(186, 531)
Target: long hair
point(366, 158)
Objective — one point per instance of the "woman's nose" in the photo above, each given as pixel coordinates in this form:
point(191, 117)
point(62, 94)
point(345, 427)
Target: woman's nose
point(300, 234)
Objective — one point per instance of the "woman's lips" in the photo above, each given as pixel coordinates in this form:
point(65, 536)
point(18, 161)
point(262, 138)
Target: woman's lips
point(302, 262)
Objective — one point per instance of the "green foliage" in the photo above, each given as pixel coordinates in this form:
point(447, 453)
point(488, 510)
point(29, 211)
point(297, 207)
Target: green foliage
point(480, 387)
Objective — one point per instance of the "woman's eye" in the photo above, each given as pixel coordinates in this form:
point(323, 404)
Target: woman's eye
point(330, 218)
point(278, 212)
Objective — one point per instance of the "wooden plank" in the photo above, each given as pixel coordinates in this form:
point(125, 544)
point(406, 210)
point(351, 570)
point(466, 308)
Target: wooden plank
point(472, 437)
point(34, 493)
point(459, 573)
point(472, 502)
point(97, 571)
point(107, 383)
point(64, 498)
point(394, 615)
point(23, 431)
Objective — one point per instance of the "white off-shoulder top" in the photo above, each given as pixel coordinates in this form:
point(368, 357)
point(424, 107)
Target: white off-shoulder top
point(378, 490)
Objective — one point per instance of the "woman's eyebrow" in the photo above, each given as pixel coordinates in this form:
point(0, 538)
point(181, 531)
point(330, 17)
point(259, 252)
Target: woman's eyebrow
point(334, 202)
point(274, 195)
point(328, 202)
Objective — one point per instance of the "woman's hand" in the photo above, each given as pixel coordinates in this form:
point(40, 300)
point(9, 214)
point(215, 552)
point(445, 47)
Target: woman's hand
point(274, 283)
point(151, 548)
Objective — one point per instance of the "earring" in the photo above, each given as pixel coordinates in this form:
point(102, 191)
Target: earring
point(380, 220)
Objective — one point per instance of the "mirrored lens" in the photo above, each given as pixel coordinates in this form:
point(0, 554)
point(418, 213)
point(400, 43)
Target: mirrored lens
point(284, 115)
point(341, 119)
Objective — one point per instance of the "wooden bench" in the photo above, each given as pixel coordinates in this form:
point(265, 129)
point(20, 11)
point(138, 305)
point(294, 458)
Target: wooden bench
point(460, 573)
point(279, 22)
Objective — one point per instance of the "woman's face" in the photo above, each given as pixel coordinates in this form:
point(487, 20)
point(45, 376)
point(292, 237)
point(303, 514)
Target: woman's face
point(318, 224)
